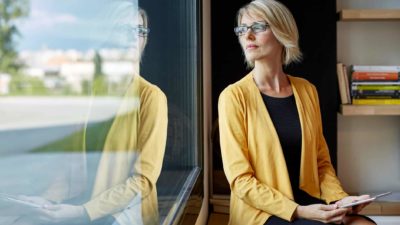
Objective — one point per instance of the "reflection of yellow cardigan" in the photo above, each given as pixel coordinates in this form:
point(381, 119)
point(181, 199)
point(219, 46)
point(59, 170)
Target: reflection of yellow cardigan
point(252, 155)
point(130, 165)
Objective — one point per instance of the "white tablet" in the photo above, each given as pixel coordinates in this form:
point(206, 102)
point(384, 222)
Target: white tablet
point(365, 200)
point(15, 199)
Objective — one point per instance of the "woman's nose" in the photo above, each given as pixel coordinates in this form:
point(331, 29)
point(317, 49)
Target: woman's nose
point(249, 34)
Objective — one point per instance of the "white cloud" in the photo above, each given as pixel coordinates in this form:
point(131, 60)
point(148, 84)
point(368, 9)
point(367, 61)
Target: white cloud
point(40, 19)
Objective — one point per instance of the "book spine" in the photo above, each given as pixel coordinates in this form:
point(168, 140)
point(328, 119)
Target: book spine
point(374, 76)
point(363, 96)
point(376, 83)
point(344, 94)
point(347, 84)
point(375, 68)
point(378, 93)
point(376, 101)
point(375, 87)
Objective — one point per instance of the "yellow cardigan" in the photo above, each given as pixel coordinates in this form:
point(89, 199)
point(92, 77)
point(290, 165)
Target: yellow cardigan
point(252, 155)
point(130, 165)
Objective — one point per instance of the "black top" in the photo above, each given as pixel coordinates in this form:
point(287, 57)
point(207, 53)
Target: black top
point(284, 115)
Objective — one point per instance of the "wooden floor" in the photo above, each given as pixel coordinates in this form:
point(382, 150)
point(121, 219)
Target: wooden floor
point(218, 219)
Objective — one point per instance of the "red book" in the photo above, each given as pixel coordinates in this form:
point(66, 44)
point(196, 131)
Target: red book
point(368, 76)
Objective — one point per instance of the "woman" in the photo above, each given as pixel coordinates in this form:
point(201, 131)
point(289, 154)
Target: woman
point(125, 185)
point(124, 191)
point(270, 128)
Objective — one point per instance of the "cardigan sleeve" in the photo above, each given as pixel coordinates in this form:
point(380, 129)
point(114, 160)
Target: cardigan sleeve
point(331, 189)
point(235, 156)
point(152, 133)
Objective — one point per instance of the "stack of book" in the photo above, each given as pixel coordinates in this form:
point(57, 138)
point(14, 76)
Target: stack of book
point(375, 85)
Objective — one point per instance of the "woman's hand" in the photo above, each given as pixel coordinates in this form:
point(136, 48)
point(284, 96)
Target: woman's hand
point(350, 199)
point(54, 214)
point(62, 213)
point(49, 212)
point(25, 205)
point(322, 213)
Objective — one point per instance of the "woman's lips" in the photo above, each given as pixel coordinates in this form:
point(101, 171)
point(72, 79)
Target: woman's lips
point(251, 46)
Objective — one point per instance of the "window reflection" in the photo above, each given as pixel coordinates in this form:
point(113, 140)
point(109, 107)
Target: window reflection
point(87, 133)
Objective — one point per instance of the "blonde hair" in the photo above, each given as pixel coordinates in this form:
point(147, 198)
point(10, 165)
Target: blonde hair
point(281, 23)
point(143, 14)
point(120, 12)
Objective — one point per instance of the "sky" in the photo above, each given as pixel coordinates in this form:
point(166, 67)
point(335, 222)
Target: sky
point(66, 24)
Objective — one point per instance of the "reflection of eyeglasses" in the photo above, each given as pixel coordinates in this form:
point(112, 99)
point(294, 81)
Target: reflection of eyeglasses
point(256, 27)
point(141, 31)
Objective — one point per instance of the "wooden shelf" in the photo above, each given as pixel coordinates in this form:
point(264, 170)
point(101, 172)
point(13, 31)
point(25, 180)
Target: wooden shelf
point(369, 14)
point(370, 110)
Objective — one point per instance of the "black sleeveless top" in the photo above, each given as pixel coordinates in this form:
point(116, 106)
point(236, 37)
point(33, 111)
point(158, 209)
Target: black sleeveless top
point(285, 117)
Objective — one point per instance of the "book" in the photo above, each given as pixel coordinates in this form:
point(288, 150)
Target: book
point(376, 101)
point(342, 84)
point(375, 68)
point(375, 83)
point(375, 93)
point(374, 76)
point(375, 87)
point(363, 96)
point(347, 84)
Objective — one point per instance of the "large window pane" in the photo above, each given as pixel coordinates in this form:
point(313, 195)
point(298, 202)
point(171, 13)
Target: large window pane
point(99, 105)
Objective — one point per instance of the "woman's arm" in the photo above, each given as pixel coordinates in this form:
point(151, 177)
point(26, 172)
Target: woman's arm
point(151, 140)
point(331, 189)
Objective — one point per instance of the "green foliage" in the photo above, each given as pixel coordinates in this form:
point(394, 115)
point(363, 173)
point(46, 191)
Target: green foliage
point(95, 138)
point(24, 85)
point(100, 86)
point(10, 12)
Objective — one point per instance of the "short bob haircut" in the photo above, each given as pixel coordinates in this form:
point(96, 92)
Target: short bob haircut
point(143, 14)
point(123, 11)
point(281, 23)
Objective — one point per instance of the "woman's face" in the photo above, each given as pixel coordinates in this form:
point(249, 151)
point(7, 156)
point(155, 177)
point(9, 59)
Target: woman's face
point(138, 40)
point(261, 45)
point(128, 33)
point(142, 39)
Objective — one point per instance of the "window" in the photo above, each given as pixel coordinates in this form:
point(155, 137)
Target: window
point(100, 109)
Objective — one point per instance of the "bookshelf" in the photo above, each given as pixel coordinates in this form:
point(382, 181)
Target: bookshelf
point(368, 134)
point(370, 110)
point(369, 15)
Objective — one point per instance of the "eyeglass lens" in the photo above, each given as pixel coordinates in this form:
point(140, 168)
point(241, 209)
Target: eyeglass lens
point(255, 27)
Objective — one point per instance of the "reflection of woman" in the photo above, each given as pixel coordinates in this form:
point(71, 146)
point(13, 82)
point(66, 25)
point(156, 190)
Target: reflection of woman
point(125, 187)
point(270, 129)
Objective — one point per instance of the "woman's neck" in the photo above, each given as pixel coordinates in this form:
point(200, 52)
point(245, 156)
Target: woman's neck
point(271, 80)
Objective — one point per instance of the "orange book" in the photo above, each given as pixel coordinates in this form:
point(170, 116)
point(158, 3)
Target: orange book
point(369, 75)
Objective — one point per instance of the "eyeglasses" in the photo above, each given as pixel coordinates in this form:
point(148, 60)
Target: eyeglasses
point(141, 31)
point(256, 27)
point(127, 32)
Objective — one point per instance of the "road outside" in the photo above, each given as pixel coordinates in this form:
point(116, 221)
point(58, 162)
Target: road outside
point(29, 122)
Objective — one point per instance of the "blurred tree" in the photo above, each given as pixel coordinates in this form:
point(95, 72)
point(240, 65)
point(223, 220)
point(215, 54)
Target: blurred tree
point(100, 85)
point(10, 12)
point(97, 60)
